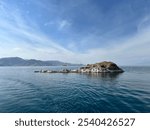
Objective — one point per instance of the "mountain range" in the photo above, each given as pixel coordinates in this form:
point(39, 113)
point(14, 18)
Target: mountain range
point(17, 61)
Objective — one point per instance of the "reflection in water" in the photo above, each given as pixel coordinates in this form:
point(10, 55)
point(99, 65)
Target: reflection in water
point(103, 75)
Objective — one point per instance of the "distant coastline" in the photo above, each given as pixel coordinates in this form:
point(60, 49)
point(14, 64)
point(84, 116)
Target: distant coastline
point(17, 61)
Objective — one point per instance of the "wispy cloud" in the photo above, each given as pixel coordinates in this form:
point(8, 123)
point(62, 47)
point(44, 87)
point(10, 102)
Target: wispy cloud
point(63, 24)
point(16, 33)
point(22, 36)
point(128, 51)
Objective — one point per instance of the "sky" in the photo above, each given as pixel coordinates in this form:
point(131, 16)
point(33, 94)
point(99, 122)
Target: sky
point(76, 31)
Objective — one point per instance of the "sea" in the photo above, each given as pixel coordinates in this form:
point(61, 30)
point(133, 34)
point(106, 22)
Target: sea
point(23, 91)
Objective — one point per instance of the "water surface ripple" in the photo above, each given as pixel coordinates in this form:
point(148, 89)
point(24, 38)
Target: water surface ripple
point(22, 90)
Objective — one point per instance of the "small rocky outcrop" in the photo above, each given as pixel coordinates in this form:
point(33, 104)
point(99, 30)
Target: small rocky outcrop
point(101, 67)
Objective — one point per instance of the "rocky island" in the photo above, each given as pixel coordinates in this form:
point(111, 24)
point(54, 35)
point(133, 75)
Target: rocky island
point(101, 67)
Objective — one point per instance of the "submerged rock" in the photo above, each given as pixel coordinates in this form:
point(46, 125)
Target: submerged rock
point(65, 71)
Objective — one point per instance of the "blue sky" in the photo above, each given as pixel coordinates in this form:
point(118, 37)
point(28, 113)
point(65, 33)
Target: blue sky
point(77, 31)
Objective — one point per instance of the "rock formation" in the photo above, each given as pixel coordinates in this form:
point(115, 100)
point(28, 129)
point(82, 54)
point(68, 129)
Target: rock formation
point(101, 67)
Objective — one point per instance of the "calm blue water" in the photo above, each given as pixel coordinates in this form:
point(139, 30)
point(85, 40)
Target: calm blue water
point(22, 90)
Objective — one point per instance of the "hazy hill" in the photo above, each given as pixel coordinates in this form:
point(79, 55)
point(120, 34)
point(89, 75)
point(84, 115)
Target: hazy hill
point(17, 61)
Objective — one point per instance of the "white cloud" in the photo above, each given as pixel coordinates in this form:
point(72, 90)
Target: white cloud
point(131, 51)
point(17, 49)
point(63, 24)
point(17, 38)
point(144, 23)
point(16, 34)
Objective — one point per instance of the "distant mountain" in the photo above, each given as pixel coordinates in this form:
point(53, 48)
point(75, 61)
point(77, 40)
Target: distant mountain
point(17, 61)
